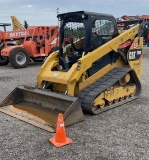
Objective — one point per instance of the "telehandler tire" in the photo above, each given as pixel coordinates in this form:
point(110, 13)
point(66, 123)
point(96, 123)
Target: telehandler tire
point(19, 58)
point(4, 61)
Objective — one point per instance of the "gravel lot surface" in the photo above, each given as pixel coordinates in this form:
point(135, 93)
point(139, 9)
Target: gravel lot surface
point(118, 134)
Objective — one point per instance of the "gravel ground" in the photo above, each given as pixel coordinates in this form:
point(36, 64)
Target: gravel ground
point(118, 134)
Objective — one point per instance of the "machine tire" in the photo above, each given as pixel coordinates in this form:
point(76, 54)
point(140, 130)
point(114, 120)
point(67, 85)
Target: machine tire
point(19, 58)
point(3, 60)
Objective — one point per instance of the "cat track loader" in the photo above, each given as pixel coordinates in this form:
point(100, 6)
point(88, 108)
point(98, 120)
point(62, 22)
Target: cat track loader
point(98, 69)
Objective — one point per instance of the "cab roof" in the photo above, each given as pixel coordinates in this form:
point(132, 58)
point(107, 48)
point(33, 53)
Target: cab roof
point(79, 13)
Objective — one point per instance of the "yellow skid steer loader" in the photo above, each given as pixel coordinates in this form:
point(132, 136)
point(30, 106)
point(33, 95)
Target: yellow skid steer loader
point(97, 70)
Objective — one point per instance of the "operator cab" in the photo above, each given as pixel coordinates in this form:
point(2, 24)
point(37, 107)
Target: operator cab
point(82, 32)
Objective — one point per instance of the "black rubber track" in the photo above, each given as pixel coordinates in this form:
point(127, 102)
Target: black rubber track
point(3, 60)
point(88, 95)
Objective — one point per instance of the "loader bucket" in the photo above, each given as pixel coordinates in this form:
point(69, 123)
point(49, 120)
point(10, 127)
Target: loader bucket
point(41, 107)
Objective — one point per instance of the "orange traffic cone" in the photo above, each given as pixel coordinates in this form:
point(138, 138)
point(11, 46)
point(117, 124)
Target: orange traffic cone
point(60, 138)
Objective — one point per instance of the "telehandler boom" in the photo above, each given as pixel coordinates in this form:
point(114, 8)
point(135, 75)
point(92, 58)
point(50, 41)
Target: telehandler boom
point(16, 25)
point(97, 71)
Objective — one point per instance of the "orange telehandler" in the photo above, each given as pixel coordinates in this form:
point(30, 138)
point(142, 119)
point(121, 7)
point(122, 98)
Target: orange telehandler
point(8, 38)
point(38, 44)
point(11, 38)
point(31, 42)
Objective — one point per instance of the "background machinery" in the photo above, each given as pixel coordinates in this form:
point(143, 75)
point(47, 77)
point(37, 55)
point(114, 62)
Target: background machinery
point(122, 24)
point(3, 60)
point(25, 43)
point(39, 42)
point(9, 38)
point(97, 71)
point(4, 25)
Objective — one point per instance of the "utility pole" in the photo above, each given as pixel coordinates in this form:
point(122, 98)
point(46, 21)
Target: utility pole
point(57, 12)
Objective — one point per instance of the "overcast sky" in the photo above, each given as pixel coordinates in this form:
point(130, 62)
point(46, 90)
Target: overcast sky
point(44, 12)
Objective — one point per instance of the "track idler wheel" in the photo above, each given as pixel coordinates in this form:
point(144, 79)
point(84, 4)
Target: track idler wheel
point(99, 106)
point(124, 80)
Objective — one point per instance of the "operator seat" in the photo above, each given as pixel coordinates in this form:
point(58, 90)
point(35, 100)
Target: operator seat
point(96, 41)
